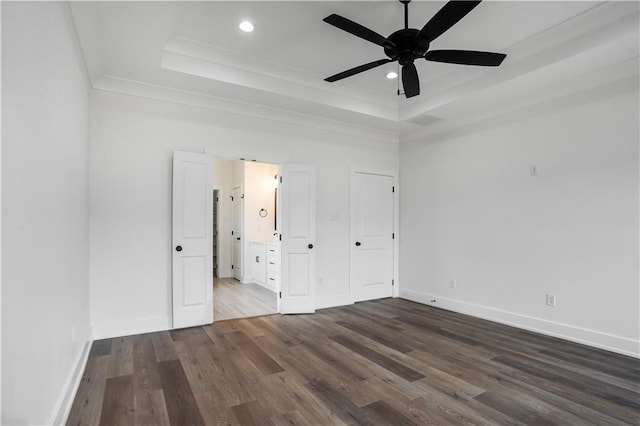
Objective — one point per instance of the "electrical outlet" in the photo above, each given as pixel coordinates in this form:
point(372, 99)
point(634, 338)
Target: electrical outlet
point(452, 283)
point(551, 299)
point(533, 170)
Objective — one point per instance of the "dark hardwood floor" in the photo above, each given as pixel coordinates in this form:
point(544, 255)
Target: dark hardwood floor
point(381, 362)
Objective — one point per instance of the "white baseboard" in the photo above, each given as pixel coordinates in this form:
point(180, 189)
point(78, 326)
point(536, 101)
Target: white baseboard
point(65, 401)
point(609, 342)
point(323, 302)
point(131, 327)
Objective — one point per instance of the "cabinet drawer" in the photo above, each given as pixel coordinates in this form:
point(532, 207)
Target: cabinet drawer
point(272, 256)
point(272, 270)
point(272, 283)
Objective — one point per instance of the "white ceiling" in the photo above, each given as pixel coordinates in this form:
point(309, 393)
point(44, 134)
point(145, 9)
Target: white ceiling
point(193, 53)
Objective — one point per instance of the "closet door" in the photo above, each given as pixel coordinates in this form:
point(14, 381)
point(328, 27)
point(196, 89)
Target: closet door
point(372, 236)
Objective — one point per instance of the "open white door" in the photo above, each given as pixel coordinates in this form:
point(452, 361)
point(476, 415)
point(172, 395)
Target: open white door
point(298, 232)
point(236, 233)
point(192, 272)
point(372, 245)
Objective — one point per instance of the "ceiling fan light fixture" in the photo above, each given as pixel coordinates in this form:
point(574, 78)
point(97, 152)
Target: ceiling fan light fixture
point(391, 75)
point(406, 45)
point(246, 26)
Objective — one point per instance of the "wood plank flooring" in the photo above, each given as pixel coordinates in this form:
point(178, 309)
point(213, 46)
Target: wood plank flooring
point(232, 299)
point(385, 362)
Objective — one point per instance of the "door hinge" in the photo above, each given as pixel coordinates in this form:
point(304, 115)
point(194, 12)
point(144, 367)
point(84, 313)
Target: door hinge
point(393, 283)
point(393, 236)
point(217, 199)
point(280, 179)
point(393, 189)
point(231, 266)
point(280, 237)
point(280, 295)
point(231, 232)
point(232, 198)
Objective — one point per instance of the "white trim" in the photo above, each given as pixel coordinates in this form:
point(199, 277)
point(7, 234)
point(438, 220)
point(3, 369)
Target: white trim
point(242, 277)
point(332, 301)
point(130, 327)
point(219, 226)
point(62, 408)
point(359, 126)
point(0, 229)
point(396, 230)
point(396, 222)
point(204, 60)
point(604, 26)
point(610, 342)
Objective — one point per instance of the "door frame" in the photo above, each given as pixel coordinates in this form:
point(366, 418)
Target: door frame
point(242, 251)
point(224, 157)
point(219, 229)
point(396, 209)
point(216, 185)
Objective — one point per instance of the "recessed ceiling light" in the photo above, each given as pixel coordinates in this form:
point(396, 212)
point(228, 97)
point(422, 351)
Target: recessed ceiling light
point(391, 75)
point(246, 26)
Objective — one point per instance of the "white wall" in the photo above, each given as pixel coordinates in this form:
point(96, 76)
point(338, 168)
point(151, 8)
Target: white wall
point(258, 194)
point(45, 238)
point(131, 146)
point(470, 211)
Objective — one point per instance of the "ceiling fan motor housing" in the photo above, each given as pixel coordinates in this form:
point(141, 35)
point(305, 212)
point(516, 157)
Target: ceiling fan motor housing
point(406, 47)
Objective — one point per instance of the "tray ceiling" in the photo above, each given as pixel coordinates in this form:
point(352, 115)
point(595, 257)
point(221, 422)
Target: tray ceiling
point(193, 53)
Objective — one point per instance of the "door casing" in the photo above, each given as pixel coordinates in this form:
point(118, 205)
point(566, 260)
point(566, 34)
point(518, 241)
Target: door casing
point(237, 246)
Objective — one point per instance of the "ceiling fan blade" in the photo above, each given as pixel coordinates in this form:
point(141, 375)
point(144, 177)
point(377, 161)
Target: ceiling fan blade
point(358, 30)
point(446, 18)
point(466, 57)
point(356, 70)
point(410, 81)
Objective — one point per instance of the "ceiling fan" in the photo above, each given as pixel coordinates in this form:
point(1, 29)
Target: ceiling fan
point(408, 44)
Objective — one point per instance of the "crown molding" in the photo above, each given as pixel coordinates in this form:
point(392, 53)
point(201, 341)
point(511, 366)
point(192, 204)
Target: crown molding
point(597, 26)
point(203, 60)
point(182, 97)
point(621, 79)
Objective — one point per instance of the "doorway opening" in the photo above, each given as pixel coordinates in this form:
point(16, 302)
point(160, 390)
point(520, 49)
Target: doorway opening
point(289, 267)
point(247, 249)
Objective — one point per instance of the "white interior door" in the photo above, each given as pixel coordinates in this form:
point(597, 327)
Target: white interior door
point(372, 245)
point(236, 232)
point(297, 211)
point(192, 234)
